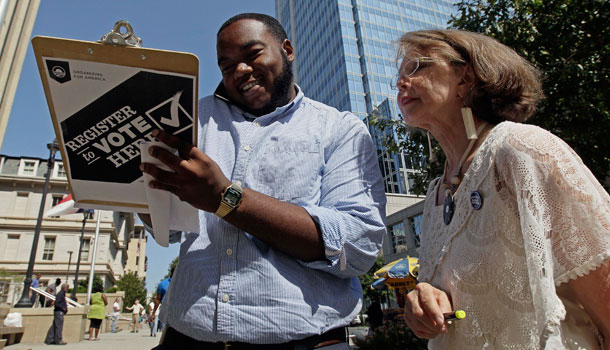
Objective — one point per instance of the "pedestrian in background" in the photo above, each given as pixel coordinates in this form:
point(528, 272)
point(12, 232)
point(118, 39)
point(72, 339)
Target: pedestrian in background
point(51, 289)
point(97, 312)
point(54, 335)
point(35, 284)
point(161, 291)
point(136, 310)
point(116, 312)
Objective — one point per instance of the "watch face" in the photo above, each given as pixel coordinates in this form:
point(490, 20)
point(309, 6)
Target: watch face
point(232, 196)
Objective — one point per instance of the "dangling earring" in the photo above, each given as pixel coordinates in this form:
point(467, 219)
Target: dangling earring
point(432, 157)
point(471, 132)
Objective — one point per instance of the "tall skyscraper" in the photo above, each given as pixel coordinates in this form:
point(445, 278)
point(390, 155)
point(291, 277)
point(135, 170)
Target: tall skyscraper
point(346, 57)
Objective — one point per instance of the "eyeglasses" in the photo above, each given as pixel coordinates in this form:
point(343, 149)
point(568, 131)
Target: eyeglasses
point(408, 68)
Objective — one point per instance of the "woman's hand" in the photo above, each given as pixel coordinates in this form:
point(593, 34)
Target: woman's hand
point(424, 308)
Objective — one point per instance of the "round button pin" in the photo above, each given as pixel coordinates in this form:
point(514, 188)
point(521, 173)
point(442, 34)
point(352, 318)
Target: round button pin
point(476, 200)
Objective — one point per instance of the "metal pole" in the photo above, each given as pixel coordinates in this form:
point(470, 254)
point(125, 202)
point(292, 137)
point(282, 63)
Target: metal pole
point(80, 249)
point(97, 233)
point(25, 300)
point(69, 262)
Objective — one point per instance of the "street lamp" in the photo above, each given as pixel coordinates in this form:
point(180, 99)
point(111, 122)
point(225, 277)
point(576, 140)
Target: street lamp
point(69, 261)
point(25, 299)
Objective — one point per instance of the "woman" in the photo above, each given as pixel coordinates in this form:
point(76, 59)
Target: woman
point(97, 311)
point(517, 230)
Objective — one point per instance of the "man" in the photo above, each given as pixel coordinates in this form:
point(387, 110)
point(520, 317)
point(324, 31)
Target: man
point(54, 335)
point(277, 257)
point(136, 310)
point(35, 284)
point(52, 289)
point(162, 289)
point(374, 315)
point(116, 312)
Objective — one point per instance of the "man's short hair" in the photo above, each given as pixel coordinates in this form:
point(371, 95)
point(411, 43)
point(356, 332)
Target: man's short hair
point(273, 26)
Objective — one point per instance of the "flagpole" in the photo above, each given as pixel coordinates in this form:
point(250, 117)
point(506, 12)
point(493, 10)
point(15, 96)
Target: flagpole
point(91, 273)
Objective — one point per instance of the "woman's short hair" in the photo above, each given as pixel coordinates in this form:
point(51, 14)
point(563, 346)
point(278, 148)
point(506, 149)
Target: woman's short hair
point(506, 86)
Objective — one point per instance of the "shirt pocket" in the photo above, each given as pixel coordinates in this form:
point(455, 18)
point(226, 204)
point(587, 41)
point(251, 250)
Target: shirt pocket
point(288, 169)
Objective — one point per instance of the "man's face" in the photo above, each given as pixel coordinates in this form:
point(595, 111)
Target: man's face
point(255, 67)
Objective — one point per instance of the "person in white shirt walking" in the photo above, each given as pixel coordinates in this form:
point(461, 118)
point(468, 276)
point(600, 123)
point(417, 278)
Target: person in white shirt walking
point(116, 312)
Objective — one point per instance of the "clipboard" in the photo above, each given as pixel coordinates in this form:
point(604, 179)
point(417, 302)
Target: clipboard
point(104, 99)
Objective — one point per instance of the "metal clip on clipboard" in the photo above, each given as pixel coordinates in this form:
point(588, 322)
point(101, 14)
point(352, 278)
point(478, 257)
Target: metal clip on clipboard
point(116, 37)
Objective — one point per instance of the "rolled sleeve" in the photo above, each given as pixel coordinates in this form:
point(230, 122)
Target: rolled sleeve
point(351, 212)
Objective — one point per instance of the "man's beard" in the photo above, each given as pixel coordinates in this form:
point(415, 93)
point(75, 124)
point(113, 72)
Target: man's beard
point(281, 89)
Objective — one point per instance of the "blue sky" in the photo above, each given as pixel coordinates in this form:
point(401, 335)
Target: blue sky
point(180, 25)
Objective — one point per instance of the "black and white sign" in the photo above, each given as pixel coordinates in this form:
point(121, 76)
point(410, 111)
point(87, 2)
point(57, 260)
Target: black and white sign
point(102, 139)
point(102, 112)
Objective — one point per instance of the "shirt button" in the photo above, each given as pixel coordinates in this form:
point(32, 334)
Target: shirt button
point(247, 148)
point(229, 251)
point(225, 298)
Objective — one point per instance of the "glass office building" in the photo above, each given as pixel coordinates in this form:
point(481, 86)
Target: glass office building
point(345, 57)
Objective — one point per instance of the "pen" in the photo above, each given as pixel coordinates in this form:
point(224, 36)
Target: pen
point(456, 315)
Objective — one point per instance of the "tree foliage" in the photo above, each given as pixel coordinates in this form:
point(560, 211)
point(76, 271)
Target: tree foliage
point(392, 336)
point(569, 41)
point(134, 287)
point(173, 264)
point(84, 284)
point(414, 143)
point(367, 279)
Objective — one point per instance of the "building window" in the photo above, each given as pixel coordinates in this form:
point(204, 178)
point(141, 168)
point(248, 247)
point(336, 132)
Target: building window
point(49, 248)
point(28, 167)
point(56, 200)
point(59, 170)
point(399, 239)
point(4, 286)
point(416, 224)
point(84, 254)
point(12, 247)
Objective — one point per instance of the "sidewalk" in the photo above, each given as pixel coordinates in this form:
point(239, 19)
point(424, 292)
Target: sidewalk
point(123, 340)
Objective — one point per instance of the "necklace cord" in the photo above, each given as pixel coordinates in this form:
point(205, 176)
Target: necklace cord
point(455, 180)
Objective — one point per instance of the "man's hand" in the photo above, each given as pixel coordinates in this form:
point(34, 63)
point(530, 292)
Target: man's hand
point(424, 308)
point(196, 178)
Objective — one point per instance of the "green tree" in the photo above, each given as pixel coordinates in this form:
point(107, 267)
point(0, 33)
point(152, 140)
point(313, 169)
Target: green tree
point(367, 280)
point(569, 41)
point(134, 287)
point(414, 143)
point(171, 266)
point(83, 284)
point(395, 336)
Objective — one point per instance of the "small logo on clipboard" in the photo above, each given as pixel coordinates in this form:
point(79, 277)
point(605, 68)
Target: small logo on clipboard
point(59, 71)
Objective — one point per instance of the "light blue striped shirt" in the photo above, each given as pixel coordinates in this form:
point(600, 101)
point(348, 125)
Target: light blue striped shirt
point(230, 286)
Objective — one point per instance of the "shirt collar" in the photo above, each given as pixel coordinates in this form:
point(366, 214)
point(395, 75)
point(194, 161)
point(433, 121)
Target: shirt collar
point(221, 93)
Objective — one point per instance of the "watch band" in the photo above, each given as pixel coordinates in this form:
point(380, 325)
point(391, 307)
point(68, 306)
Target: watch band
point(230, 199)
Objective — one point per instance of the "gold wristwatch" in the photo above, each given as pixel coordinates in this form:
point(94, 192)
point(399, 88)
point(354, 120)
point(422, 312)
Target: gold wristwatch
point(230, 199)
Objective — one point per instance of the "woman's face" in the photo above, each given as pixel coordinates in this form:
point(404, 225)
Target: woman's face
point(430, 95)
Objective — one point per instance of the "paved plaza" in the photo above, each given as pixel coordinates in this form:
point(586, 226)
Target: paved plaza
point(124, 340)
point(108, 341)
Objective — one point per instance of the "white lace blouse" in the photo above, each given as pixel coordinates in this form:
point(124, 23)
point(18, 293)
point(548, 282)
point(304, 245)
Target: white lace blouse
point(545, 220)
